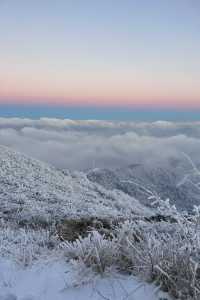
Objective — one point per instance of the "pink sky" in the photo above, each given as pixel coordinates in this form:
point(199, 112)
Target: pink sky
point(138, 54)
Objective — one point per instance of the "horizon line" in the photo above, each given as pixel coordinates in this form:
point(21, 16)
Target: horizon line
point(137, 107)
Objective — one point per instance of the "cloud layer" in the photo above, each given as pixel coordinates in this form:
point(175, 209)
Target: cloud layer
point(80, 145)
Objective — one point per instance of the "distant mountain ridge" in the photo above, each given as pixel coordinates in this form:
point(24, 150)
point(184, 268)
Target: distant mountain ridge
point(162, 179)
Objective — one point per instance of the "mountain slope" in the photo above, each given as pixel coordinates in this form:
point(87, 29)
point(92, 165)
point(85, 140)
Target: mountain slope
point(32, 190)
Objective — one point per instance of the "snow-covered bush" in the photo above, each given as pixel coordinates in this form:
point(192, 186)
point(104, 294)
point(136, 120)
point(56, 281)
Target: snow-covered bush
point(94, 251)
point(24, 246)
point(166, 253)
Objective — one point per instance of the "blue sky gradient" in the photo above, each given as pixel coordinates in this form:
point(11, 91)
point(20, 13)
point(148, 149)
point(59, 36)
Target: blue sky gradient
point(140, 54)
point(98, 113)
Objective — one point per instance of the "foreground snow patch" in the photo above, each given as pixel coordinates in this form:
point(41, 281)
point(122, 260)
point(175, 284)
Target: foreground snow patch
point(54, 281)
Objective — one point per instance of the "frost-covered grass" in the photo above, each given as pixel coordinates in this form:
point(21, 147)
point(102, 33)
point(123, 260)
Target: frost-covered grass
point(33, 267)
point(24, 245)
point(165, 253)
point(159, 245)
point(32, 193)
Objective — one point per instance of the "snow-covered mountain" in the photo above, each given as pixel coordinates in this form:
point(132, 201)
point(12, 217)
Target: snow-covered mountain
point(34, 193)
point(31, 190)
point(164, 179)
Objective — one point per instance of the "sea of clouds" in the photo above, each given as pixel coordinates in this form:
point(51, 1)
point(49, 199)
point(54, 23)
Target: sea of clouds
point(81, 145)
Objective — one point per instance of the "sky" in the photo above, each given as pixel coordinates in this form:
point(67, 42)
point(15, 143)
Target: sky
point(100, 59)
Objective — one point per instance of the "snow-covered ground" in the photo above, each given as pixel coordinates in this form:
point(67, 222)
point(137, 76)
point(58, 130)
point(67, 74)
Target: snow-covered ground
point(33, 193)
point(55, 280)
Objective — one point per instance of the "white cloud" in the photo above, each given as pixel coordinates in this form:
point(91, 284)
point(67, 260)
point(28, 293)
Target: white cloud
point(85, 144)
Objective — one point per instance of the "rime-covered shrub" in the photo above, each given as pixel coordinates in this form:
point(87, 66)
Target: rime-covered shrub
point(94, 251)
point(24, 246)
point(166, 253)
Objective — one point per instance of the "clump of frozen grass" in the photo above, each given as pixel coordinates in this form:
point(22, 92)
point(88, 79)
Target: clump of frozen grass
point(24, 246)
point(166, 253)
point(94, 250)
point(167, 256)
